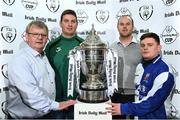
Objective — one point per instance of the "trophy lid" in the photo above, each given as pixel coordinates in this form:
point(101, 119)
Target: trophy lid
point(93, 40)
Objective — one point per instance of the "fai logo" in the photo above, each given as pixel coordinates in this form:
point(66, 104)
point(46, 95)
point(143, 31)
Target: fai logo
point(169, 2)
point(8, 33)
point(123, 11)
point(146, 12)
point(169, 35)
point(53, 34)
point(52, 5)
point(146, 76)
point(81, 17)
point(4, 71)
point(30, 4)
point(9, 2)
point(102, 16)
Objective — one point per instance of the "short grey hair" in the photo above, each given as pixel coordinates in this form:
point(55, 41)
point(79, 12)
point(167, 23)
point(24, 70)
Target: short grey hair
point(36, 23)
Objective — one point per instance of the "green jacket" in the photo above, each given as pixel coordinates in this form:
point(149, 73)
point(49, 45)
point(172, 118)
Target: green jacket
point(57, 52)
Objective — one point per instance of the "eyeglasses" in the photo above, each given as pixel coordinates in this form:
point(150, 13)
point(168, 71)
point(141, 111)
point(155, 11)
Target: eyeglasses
point(36, 35)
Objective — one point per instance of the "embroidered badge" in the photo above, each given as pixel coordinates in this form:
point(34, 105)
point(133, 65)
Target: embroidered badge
point(146, 76)
point(58, 49)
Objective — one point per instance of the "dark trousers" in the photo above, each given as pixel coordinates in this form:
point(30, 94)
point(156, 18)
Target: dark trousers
point(122, 98)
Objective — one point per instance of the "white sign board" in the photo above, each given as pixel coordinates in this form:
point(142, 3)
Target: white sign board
point(91, 111)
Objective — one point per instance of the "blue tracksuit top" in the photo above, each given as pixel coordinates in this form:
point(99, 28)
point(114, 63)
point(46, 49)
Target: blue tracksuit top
point(153, 85)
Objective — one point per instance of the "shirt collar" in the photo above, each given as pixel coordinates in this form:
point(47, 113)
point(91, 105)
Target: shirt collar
point(68, 37)
point(133, 41)
point(34, 52)
point(154, 60)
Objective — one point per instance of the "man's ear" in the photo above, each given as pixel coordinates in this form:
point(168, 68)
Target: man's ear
point(26, 37)
point(159, 48)
point(60, 24)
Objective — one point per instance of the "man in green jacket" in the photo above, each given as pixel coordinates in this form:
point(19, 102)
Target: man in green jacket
point(57, 51)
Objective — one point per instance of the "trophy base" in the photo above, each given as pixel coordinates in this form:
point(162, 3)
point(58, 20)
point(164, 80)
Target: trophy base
point(91, 111)
point(93, 95)
point(92, 101)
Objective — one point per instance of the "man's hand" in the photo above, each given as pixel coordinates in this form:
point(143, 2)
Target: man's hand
point(114, 108)
point(65, 104)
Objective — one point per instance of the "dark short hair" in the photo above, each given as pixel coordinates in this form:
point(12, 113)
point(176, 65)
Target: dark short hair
point(151, 35)
point(127, 16)
point(39, 24)
point(68, 11)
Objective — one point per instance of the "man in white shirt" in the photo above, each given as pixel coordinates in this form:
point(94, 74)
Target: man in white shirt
point(31, 78)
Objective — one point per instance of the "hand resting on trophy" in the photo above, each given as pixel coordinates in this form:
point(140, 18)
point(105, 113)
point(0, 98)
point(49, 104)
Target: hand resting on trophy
point(66, 104)
point(114, 108)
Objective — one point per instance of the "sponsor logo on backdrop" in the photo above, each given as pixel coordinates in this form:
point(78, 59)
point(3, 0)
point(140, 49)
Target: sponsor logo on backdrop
point(53, 5)
point(2, 104)
point(53, 34)
point(102, 16)
point(84, 33)
point(146, 11)
point(9, 2)
point(4, 71)
point(90, 2)
point(123, 11)
point(170, 14)
point(136, 32)
point(144, 30)
point(128, 1)
point(82, 17)
point(171, 52)
point(8, 33)
point(6, 51)
point(6, 14)
point(123, 1)
point(169, 35)
point(30, 4)
point(169, 2)
point(43, 19)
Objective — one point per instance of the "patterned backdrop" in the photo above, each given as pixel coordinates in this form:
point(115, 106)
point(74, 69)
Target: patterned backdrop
point(159, 16)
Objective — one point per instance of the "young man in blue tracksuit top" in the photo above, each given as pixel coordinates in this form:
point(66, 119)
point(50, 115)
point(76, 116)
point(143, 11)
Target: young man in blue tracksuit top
point(153, 82)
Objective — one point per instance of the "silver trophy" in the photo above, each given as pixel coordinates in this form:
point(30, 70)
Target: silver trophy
point(94, 89)
point(91, 58)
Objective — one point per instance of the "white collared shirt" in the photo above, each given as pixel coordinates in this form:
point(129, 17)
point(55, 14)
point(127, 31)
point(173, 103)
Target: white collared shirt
point(31, 85)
